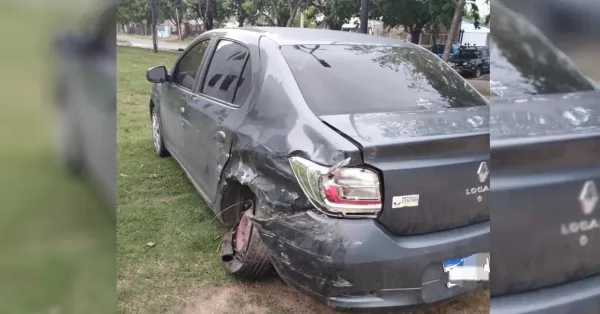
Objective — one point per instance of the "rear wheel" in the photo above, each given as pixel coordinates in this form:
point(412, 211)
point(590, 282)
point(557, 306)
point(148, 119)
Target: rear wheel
point(243, 253)
point(159, 144)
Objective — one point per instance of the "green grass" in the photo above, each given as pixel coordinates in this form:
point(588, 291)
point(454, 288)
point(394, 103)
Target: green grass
point(484, 92)
point(156, 203)
point(58, 243)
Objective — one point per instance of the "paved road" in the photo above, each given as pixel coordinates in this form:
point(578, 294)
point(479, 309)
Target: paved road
point(125, 40)
point(483, 82)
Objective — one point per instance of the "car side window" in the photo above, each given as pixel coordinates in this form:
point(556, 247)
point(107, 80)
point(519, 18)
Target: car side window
point(186, 70)
point(244, 85)
point(224, 72)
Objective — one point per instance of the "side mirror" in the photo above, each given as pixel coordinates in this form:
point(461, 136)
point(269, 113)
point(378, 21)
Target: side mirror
point(157, 74)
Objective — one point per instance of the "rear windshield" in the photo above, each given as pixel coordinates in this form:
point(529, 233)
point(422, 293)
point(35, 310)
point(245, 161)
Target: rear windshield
point(467, 54)
point(346, 79)
point(524, 63)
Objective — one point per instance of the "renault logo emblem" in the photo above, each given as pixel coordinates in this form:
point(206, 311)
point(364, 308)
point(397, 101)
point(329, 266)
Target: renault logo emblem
point(483, 172)
point(588, 197)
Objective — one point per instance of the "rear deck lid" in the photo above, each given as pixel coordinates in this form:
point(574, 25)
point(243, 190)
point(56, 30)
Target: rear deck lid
point(415, 119)
point(545, 148)
point(437, 159)
point(544, 215)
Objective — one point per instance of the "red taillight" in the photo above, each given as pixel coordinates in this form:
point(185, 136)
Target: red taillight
point(352, 186)
point(349, 191)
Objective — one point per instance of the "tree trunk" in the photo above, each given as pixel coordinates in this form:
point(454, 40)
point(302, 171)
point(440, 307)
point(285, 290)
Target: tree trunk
point(208, 20)
point(458, 11)
point(415, 35)
point(293, 7)
point(334, 25)
point(179, 32)
point(242, 16)
point(282, 18)
point(290, 21)
point(154, 14)
point(364, 16)
point(200, 15)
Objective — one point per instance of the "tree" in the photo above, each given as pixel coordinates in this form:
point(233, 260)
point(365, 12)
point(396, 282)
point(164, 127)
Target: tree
point(459, 7)
point(238, 8)
point(135, 11)
point(293, 6)
point(153, 22)
point(459, 12)
point(413, 15)
point(276, 12)
point(335, 13)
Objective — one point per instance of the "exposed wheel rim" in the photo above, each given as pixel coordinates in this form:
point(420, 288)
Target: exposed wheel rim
point(156, 131)
point(242, 237)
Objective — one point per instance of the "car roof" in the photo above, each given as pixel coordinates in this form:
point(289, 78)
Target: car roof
point(286, 36)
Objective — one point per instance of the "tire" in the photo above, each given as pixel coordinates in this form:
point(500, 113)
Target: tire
point(157, 138)
point(255, 262)
point(477, 72)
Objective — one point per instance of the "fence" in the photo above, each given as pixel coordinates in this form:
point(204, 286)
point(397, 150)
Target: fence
point(162, 31)
point(426, 39)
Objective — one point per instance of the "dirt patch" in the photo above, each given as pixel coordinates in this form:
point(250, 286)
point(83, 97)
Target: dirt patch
point(122, 284)
point(255, 298)
point(277, 297)
point(123, 43)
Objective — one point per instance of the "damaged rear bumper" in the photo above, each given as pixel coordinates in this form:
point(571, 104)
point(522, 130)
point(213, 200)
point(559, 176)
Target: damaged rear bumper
point(580, 297)
point(358, 264)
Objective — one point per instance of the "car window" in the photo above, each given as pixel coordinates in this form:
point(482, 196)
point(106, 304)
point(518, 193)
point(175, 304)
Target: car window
point(524, 63)
point(224, 71)
point(186, 70)
point(345, 79)
point(468, 54)
point(244, 85)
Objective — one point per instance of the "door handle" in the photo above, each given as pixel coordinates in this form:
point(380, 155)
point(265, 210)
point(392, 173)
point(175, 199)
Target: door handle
point(181, 110)
point(220, 136)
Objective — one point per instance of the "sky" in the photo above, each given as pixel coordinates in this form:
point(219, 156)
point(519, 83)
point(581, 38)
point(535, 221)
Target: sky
point(484, 9)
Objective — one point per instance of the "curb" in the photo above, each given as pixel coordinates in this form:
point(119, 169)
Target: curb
point(124, 43)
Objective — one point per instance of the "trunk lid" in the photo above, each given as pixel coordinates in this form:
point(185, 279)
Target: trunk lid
point(546, 161)
point(433, 154)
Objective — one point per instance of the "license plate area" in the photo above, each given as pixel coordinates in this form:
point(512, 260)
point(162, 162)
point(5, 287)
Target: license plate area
point(474, 267)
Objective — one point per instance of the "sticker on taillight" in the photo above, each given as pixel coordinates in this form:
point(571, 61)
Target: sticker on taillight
point(405, 201)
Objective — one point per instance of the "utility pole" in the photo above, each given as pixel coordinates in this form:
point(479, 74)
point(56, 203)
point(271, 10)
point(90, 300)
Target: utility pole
point(364, 16)
point(301, 19)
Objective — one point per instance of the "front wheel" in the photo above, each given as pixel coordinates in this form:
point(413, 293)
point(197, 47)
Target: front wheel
point(159, 143)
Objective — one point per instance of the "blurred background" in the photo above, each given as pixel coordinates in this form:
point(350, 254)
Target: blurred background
point(57, 231)
point(572, 25)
